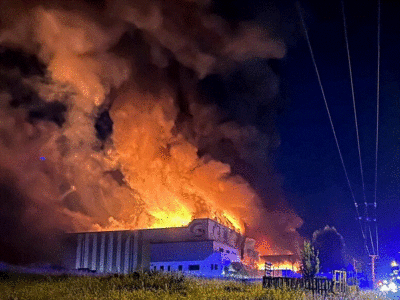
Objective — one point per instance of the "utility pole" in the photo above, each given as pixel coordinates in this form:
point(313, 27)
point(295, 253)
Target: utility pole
point(356, 269)
point(373, 258)
point(355, 265)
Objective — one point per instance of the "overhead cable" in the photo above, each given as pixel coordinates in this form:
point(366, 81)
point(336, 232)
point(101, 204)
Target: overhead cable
point(366, 216)
point(332, 126)
point(377, 120)
point(354, 101)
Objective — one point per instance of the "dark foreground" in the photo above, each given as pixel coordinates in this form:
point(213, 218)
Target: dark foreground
point(147, 286)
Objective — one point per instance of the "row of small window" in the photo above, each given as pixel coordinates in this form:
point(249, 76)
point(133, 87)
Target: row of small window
point(227, 251)
point(180, 268)
point(190, 267)
point(168, 268)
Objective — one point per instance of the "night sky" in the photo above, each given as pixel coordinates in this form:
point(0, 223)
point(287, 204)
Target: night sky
point(308, 159)
point(306, 162)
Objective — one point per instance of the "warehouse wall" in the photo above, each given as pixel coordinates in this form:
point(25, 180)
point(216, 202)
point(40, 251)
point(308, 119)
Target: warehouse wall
point(127, 251)
point(111, 252)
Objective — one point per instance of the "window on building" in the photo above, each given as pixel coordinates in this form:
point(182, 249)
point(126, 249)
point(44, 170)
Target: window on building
point(194, 267)
point(221, 250)
point(212, 266)
point(216, 267)
point(180, 267)
point(169, 268)
point(161, 268)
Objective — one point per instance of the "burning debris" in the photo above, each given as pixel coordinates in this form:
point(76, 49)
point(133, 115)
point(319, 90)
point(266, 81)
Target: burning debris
point(280, 262)
point(104, 124)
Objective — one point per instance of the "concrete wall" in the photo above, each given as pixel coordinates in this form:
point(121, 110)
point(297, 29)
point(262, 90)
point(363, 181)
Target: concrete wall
point(197, 230)
point(223, 234)
point(211, 257)
point(181, 251)
point(228, 253)
point(212, 266)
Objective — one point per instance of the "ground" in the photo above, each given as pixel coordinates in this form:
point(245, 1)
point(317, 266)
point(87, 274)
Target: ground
point(147, 286)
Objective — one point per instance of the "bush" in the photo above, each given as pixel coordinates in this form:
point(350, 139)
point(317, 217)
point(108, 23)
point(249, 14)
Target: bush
point(153, 281)
point(4, 275)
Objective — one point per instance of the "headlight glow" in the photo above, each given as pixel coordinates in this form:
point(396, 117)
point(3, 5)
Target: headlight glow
point(392, 287)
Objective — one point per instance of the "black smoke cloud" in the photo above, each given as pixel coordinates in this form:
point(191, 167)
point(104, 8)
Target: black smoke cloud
point(30, 232)
point(84, 82)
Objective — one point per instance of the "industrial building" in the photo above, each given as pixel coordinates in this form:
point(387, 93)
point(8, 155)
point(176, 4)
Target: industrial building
point(204, 248)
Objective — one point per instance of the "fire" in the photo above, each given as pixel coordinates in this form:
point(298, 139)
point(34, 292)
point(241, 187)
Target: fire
point(172, 184)
point(285, 265)
point(288, 266)
point(166, 219)
point(141, 62)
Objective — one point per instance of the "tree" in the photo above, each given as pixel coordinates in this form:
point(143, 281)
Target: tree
point(309, 261)
point(330, 245)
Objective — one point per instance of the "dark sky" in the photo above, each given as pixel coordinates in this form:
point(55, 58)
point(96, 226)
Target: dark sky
point(308, 159)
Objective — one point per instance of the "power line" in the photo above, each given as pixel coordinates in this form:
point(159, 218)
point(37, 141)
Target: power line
point(354, 100)
point(377, 118)
point(332, 126)
point(357, 131)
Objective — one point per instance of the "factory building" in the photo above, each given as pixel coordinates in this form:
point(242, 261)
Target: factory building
point(204, 247)
point(208, 258)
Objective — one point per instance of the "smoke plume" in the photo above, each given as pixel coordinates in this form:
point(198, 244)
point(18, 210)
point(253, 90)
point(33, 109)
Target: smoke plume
point(128, 114)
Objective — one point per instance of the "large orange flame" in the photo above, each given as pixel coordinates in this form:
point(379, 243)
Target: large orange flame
point(94, 53)
point(172, 184)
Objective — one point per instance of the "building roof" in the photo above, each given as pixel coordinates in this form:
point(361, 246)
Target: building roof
point(197, 230)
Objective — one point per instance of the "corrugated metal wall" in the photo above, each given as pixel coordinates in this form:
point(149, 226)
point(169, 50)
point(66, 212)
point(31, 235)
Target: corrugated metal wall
point(107, 252)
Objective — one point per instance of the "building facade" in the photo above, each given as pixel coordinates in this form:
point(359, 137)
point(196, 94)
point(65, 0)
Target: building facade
point(204, 247)
point(205, 258)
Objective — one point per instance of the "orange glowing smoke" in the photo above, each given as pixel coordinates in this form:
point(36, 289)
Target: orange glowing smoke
point(164, 182)
point(172, 184)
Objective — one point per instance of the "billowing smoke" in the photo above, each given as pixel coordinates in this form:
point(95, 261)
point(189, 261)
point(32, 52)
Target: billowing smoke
point(124, 114)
